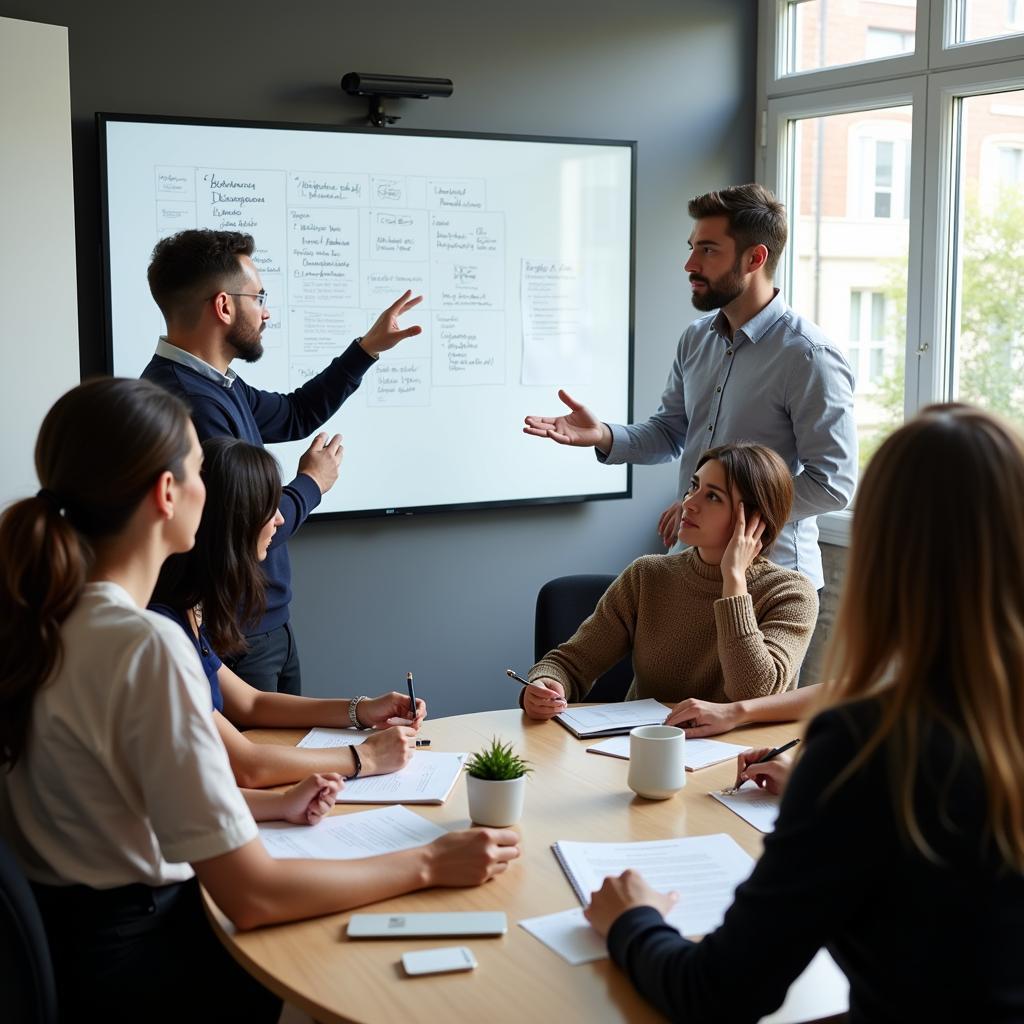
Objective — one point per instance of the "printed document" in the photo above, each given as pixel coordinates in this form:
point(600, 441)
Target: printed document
point(753, 805)
point(428, 778)
point(349, 836)
point(704, 870)
point(321, 739)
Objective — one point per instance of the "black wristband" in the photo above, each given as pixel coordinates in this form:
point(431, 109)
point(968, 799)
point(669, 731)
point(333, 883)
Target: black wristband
point(358, 763)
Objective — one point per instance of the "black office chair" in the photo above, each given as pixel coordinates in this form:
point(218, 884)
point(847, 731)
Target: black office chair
point(564, 603)
point(26, 973)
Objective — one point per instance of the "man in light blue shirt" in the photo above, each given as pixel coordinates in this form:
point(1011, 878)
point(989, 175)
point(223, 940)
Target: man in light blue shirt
point(751, 370)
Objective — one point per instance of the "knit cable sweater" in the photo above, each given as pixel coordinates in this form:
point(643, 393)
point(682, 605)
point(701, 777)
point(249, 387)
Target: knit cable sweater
point(685, 638)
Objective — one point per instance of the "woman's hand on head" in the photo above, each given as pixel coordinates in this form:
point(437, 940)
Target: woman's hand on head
point(617, 895)
point(743, 547)
point(770, 776)
point(308, 801)
point(388, 750)
point(390, 709)
point(703, 717)
point(544, 698)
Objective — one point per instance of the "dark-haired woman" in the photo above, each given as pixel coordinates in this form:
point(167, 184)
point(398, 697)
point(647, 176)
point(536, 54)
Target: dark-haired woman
point(900, 840)
point(719, 621)
point(116, 792)
point(213, 589)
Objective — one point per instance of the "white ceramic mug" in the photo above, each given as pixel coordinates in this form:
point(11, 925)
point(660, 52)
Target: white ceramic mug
point(657, 768)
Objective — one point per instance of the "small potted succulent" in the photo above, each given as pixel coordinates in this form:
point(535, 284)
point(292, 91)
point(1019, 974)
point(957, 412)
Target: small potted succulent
point(496, 785)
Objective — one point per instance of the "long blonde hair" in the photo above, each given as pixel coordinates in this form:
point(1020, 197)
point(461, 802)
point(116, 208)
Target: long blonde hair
point(931, 621)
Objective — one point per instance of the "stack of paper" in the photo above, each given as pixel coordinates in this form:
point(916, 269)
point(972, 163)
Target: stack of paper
point(428, 778)
point(612, 719)
point(349, 836)
point(696, 753)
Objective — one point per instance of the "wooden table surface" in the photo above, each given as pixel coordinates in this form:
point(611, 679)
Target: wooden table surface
point(571, 795)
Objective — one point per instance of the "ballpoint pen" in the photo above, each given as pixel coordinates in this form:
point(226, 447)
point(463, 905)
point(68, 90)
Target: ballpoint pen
point(770, 756)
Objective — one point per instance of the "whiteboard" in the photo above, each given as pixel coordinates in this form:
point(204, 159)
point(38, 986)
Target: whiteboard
point(521, 246)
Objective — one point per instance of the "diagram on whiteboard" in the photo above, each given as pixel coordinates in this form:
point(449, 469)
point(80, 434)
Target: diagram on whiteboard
point(334, 249)
point(521, 248)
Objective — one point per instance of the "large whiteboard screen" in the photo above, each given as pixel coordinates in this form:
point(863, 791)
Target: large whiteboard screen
point(521, 247)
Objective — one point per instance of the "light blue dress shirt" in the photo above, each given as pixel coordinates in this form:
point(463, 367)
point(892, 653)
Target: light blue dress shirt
point(779, 382)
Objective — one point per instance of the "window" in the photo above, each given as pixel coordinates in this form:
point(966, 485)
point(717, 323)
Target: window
point(987, 332)
point(866, 344)
point(895, 135)
point(888, 42)
point(824, 34)
point(879, 173)
point(987, 19)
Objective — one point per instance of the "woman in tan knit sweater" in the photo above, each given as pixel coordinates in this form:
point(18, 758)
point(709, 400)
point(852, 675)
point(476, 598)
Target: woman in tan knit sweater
point(718, 621)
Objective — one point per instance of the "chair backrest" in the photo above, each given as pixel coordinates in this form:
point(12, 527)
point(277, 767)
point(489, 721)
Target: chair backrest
point(26, 973)
point(563, 604)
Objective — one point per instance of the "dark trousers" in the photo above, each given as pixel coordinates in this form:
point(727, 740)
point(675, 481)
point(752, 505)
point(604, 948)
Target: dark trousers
point(271, 663)
point(136, 953)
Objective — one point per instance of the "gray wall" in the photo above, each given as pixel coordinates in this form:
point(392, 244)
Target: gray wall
point(449, 596)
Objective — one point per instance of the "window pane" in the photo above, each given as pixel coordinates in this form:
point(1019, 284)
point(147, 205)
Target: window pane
point(989, 19)
point(988, 336)
point(850, 250)
point(825, 34)
point(878, 316)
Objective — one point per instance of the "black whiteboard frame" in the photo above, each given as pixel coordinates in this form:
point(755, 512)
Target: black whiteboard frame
point(103, 118)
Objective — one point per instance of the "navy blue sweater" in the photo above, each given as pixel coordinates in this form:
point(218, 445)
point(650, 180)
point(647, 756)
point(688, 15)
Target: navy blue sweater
point(264, 417)
point(919, 940)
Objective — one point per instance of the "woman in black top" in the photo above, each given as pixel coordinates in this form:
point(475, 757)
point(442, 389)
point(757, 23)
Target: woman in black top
point(900, 841)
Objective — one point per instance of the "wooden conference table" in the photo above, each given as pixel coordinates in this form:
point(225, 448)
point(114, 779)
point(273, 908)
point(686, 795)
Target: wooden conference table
point(571, 795)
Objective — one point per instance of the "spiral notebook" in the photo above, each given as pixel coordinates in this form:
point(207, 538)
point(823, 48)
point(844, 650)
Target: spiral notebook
point(704, 870)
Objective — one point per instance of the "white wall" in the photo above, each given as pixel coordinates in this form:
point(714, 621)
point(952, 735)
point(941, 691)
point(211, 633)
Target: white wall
point(38, 293)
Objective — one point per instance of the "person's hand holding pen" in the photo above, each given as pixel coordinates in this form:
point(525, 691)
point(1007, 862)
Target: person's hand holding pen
point(543, 698)
point(766, 768)
point(390, 709)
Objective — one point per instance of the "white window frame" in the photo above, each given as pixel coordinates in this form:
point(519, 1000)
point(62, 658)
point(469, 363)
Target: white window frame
point(932, 80)
point(774, 47)
point(945, 53)
point(940, 305)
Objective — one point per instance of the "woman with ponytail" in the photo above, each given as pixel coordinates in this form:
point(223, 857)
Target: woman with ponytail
point(900, 840)
point(115, 790)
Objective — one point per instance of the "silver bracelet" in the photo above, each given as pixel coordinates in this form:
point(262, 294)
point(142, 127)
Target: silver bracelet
point(352, 716)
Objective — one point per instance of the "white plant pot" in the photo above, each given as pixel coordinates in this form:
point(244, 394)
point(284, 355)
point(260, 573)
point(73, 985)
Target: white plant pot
point(495, 803)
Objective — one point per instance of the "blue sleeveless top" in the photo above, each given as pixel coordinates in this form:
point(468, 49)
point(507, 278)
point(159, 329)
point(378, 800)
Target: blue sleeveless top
point(207, 655)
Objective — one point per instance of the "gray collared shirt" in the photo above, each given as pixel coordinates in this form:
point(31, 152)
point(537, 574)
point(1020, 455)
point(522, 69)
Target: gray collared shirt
point(779, 382)
point(165, 349)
